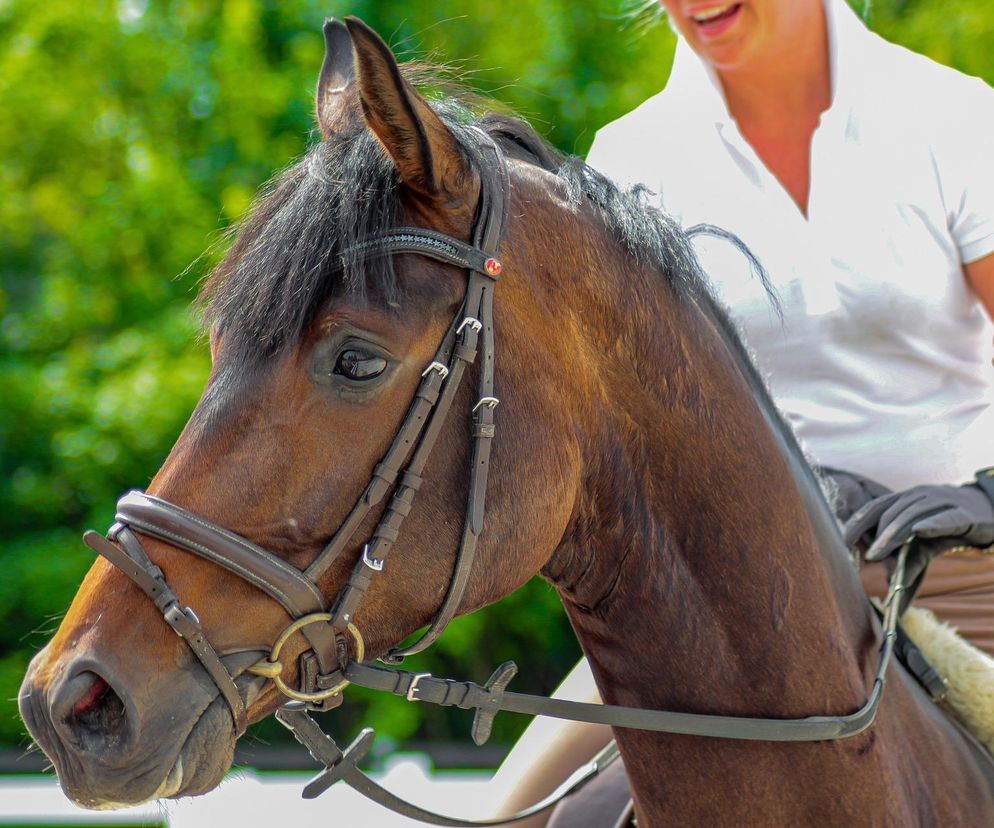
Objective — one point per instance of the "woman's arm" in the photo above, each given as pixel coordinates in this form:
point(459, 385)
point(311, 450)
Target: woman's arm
point(549, 751)
point(981, 276)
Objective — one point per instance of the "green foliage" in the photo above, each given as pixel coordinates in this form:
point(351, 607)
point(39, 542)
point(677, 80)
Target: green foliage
point(133, 133)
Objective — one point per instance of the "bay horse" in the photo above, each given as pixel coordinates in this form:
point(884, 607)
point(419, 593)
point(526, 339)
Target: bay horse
point(641, 469)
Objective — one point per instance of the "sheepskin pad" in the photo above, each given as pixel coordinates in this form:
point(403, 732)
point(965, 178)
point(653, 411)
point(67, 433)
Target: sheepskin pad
point(968, 671)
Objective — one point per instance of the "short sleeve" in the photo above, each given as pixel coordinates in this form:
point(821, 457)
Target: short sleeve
point(627, 149)
point(964, 157)
point(613, 154)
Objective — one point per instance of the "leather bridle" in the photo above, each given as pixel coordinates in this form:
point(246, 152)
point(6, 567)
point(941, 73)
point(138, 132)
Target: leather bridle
point(401, 469)
point(326, 668)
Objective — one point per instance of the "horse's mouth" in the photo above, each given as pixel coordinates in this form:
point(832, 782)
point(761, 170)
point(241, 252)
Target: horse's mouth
point(170, 787)
point(201, 761)
point(198, 766)
point(195, 766)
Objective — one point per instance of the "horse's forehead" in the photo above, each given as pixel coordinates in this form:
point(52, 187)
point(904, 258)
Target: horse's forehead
point(235, 387)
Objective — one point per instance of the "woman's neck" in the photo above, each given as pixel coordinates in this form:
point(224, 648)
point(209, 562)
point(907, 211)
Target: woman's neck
point(777, 100)
point(783, 84)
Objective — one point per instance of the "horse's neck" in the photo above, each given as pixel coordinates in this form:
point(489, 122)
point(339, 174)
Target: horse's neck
point(695, 572)
point(703, 572)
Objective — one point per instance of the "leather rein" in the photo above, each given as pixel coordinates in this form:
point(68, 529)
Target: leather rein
point(325, 669)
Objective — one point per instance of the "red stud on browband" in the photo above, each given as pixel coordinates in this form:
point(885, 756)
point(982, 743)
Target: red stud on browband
point(493, 267)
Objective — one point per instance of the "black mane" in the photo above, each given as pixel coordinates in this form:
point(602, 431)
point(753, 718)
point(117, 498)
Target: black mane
point(291, 253)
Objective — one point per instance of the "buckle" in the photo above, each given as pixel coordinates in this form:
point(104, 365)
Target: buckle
point(489, 402)
point(471, 322)
point(376, 564)
point(443, 370)
point(414, 685)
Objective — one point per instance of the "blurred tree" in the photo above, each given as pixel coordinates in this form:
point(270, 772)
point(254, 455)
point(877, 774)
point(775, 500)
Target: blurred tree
point(133, 133)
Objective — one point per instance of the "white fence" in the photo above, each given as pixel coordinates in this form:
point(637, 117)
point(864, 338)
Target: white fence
point(247, 799)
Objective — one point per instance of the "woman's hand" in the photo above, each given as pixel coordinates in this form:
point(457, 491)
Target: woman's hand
point(939, 517)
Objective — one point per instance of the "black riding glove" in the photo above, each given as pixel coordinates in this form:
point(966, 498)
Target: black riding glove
point(939, 517)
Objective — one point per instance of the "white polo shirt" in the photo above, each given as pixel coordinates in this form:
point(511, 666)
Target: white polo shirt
point(882, 363)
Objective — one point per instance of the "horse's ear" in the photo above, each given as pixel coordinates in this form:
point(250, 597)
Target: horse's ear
point(425, 151)
point(336, 94)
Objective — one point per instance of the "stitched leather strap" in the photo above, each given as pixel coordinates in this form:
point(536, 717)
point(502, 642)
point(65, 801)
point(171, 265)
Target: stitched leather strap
point(429, 243)
point(470, 696)
point(388, 469)
point(297, 594)
point(161, 519)
point(491, 698)
point(488, 233)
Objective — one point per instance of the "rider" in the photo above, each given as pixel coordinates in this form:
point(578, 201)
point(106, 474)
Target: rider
point(861, 175)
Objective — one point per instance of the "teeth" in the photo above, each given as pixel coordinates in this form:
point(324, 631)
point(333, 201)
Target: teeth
point(172, 782)
point(710, 14)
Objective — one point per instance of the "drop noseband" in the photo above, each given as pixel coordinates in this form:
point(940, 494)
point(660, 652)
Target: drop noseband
point(325, 668)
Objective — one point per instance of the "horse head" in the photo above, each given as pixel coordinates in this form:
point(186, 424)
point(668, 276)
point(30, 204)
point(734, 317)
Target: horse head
point(318, 349)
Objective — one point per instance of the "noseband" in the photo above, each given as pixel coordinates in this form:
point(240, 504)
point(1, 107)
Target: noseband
point(325, 668)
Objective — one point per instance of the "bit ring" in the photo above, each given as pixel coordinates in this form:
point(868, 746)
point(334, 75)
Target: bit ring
point(272, 667)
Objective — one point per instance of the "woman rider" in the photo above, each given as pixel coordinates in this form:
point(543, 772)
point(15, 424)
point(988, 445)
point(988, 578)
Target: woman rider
point(862, 176)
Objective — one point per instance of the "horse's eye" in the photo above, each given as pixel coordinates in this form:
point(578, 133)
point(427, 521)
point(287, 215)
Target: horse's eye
point(359, 365)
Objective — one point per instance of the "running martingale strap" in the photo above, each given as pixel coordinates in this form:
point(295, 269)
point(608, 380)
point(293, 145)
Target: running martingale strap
point(488, 699)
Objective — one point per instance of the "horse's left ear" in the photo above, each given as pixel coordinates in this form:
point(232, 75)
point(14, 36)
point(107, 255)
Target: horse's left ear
point(335, 100)
point(425, 151)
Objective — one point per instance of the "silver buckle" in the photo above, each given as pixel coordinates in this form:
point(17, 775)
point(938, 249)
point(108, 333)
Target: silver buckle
point(376, 564)
point(470, 322)
point(414, 685)
point(443, 370)
point(489, 402)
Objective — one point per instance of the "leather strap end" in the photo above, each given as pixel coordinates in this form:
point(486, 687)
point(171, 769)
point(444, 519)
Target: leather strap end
point(147, 580)
point(375, 491)
point(467, 353)
point(985, 482)
point(351, 596)
point(483, 719)
point(387, 473)
point(347, 764)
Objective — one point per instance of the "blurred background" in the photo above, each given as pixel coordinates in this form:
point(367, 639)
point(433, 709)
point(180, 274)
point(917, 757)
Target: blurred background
point(132, 133)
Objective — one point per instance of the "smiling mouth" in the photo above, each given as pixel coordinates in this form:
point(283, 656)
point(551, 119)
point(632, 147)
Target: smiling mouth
point(715, 16)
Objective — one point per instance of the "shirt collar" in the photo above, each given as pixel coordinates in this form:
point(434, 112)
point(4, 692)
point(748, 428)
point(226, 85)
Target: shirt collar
point(697, 85)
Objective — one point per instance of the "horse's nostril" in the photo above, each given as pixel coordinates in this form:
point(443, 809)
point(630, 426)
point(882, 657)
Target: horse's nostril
point(92, 713)
point(91, 698)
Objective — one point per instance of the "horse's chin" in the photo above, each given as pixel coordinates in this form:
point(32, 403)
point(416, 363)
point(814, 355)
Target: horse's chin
point(205, 756)
point(201, 762)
